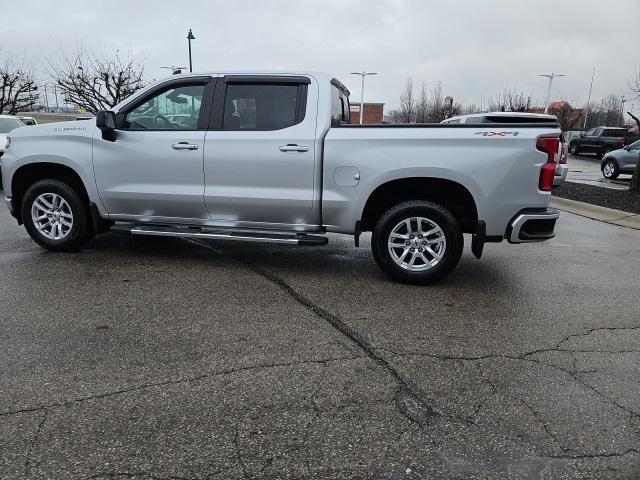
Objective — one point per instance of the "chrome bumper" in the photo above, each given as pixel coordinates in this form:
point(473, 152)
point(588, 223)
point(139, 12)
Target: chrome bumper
point(561, 174)
point(533, 225)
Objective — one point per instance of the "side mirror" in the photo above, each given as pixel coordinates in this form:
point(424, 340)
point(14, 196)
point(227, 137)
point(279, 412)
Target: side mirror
point(106, 122)
point(582, 135)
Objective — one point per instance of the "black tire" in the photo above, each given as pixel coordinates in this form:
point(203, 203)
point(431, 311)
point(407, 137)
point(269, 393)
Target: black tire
point(610, 169)
point(81, 230)
point(433, 213)
point(573, 148)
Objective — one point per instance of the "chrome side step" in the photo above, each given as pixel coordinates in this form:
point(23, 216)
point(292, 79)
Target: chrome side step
point(263, 236)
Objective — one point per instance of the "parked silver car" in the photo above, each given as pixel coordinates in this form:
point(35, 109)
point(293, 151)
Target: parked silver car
point(619, 161)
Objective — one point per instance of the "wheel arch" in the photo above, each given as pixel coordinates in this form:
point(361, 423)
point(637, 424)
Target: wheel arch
point(451, 194)
point(28, 174)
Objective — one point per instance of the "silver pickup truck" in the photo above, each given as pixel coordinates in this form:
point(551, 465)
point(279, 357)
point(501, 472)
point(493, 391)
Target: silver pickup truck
point(271, 157)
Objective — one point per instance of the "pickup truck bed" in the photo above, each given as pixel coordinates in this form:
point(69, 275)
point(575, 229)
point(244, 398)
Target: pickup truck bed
point(271, 157)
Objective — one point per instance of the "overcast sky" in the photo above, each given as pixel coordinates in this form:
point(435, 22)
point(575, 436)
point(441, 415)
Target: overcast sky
point(473, 47)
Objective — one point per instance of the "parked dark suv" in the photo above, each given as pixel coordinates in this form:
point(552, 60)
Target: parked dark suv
point(602, 140)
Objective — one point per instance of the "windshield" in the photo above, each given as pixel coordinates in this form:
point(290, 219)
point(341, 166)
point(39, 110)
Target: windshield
point(8, 124)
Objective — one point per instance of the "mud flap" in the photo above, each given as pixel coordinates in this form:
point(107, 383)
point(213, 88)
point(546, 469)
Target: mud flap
point(478, 239)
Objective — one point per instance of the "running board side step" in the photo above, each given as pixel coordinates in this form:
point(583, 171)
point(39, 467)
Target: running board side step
point(263, 236)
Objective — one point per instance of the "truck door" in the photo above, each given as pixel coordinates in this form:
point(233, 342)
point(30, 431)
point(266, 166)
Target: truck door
point(260, 151)
point(153, 170)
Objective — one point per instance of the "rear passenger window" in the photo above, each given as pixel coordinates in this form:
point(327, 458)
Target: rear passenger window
point(251, 106)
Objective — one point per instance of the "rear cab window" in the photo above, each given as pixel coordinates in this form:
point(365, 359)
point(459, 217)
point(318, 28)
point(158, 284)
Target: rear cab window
point(262, 105)
point(340, 111)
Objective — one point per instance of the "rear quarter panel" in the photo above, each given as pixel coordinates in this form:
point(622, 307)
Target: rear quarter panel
point(500, 172)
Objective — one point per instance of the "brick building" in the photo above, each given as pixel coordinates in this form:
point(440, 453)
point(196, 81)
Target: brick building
point(373, 112)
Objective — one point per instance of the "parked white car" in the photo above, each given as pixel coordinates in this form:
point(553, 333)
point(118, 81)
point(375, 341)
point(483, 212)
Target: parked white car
point(29, 121)
point(272, 157)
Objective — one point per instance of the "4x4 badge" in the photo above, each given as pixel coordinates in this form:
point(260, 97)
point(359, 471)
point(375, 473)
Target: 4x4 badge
point(497, 134)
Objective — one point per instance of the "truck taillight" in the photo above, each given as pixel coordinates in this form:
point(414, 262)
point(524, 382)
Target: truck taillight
point(550, 146)
point(621, 142)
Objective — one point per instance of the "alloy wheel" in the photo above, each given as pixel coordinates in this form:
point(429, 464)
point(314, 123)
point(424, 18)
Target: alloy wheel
point(52, 216)
point(417, 244)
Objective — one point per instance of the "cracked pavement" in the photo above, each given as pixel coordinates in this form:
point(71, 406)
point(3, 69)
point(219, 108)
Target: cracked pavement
point(149, 358)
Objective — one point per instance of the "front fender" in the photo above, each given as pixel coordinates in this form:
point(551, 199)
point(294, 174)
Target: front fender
point(74, 152)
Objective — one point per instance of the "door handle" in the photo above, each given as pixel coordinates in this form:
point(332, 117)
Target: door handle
point(291, 147)
point(184, 146)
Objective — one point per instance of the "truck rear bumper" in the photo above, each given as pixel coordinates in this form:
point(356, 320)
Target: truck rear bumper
point(532, 225)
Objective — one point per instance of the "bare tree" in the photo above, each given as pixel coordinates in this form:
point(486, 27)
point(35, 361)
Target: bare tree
point(17, 87)
point(608, 112)
point(407, 103)
point(96, 80)
point(634, 85)
point(508, 99)
point(439, 107)
point(635, 179)
point(422, 106)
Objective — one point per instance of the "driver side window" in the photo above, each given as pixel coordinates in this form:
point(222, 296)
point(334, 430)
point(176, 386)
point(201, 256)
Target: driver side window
point(175, 108)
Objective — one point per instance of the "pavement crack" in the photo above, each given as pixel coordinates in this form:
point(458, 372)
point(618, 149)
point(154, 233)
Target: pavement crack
point(178, 381)
point(592, 330)
point(407, 399)
point(34, 443)
point(581, 456)
point(525, 358)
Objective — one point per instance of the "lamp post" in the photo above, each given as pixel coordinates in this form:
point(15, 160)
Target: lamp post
point(550, 76)
point(586, 113)
point(362, 74)
point(189, 38)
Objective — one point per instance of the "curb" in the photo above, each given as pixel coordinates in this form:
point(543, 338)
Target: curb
point(595, 212)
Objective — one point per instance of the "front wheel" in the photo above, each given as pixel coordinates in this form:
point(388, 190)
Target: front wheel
point(55, 216)
point(417, 242)
point(610, 170)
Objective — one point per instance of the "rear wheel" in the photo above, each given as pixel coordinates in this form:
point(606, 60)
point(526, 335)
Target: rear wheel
point(573, 148)
point(417, 242)
point(55, 216)
point(610, 169)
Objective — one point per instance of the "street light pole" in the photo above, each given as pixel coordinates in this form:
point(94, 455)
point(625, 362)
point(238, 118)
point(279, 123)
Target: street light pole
point(362, 74)
point(550, 76)
point(623, 100)
point(586, 112)
point(189, 38)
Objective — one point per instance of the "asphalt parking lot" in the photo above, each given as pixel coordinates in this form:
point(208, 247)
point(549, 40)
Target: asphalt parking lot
point(166, 359)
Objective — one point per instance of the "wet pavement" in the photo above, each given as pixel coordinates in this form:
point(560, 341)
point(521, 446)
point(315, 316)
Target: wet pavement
point(152, 358)
point(586, 169)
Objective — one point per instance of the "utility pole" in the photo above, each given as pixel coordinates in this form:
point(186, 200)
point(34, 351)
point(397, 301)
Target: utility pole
point(362, 74)
point(55, 93)
point(189, 38)
point(46, 100)
point(624, 100)
point(550, 76)
point(586, 110)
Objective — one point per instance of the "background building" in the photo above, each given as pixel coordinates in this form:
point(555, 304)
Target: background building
point(373, 113)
